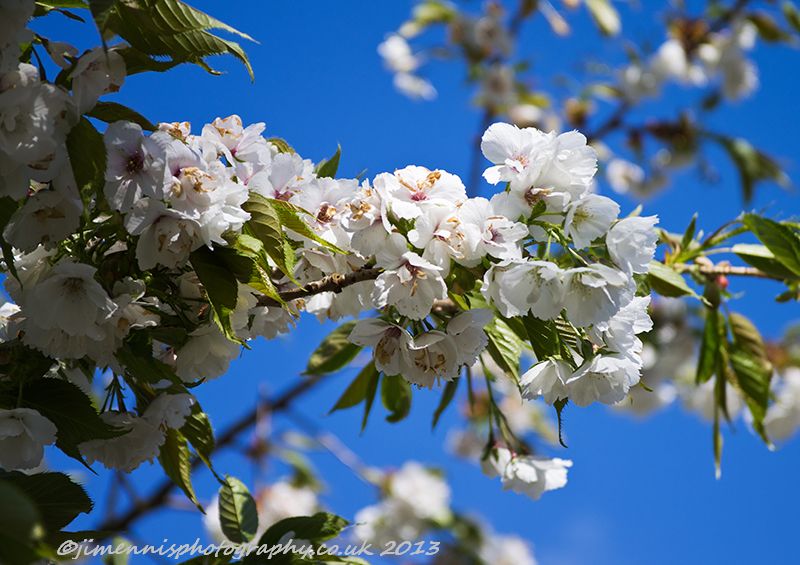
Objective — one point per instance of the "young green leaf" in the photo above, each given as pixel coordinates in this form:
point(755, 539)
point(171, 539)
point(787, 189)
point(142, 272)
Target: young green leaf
point(780, 239)
point(396, 397)
point(21, 527)
point(334, 353)
point(198, 432)
point(543, 336)
point(605, 16)
point(760, 257)
point(71, 411)
point(220, 286)
point(237, 511)
point(753, 165)
point(169, 28)
point(666, 281)
point(318, 528)
point(175, 459)
point(110, 112)
point(712, 342)
point(58, 499)
point(448, 394)
point(504, 347)
point(357, 390)
point(289, 215)
point(329, 167)
point(87, 155)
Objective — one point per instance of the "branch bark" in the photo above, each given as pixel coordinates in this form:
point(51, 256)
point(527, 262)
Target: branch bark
point(734, 270)
point(332, 283)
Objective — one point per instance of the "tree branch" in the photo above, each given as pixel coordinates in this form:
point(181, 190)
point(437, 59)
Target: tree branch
point(159, 496)
point(332, 283)
point(725, 270)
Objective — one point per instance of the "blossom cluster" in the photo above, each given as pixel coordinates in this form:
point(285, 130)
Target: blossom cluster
point(687, 61)
point(173, 193)
point(123, 273)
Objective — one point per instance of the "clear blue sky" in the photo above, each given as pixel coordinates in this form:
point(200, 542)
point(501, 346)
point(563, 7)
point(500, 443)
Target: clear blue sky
point(641, 491)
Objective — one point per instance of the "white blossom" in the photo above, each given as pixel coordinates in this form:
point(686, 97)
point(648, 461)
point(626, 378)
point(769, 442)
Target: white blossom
point(409, 283)
point(135, 165)
point(546, 379)
point(595, 293)
point(526, 474)
point(518, 287)
point(431, 358)
point(466, 329)
point(66, 311)
point(23, 434)
point(97, 72)
point(604, 378)
point(140, 442)
point(625, 177)
point(206, 355)
point(390, 343)
point(47, 218)
point(589, 218)
point(632, 243)
point(409, 190)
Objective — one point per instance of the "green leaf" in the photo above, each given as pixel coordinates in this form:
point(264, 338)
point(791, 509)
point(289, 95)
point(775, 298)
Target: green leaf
point(237, 511)
point(56, 497)
point(605, 16)
point(791, 14)
point(110, 112)
point(334, 353)
point(101, 11)
point(710, 345)
point(357, 390)
point(76, 4)
point(137, 62)
point(265, 225)
point(247, 260)
point(20, 526)
point(448, 394)
point(396, 397)
point(753, 380)
point(71, 411)
point(289, 215)
point(145, 368)
point(753, 165)
point(87, 155)
point(504, 347)
point(369, 397)
point(780, 239)
point(688, 235)
point(281, 145)
point(7, 208)
point(198, 432)
point(559, 405)
point(318, 528)
point(666, 281)
point(752, 368)
point(175, 459)
point(543, 337)
point(220, 286)
point(760, 257)
point(170, 28)
point(329, 167)
point(767, 27)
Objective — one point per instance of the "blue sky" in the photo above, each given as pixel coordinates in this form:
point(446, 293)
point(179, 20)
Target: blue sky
point(641, 491)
